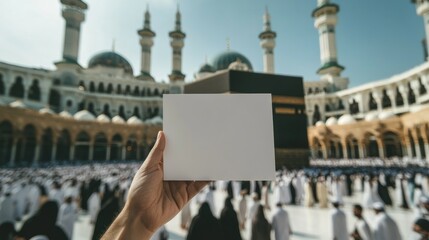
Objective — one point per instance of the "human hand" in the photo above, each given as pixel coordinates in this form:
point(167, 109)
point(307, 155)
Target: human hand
point(151, 201)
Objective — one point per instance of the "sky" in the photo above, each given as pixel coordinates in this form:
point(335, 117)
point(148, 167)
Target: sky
point(375, 39)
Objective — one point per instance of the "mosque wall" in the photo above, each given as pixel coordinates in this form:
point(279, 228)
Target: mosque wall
point(406, 136)
point(28, 137)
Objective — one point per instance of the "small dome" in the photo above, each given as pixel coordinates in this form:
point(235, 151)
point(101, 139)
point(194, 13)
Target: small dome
point(17, 104)
point(371, 117)
point(134, 121)
point(346, 119)
point(84, 115)
point(206, 68)
point(46, 110)
point(65, 114)
point(223, 60)
point(154, 120)
point(386, 115)
point(118, 119)
point(320, 123)
point(331, 121)
point(103, 118)
point(110, 59)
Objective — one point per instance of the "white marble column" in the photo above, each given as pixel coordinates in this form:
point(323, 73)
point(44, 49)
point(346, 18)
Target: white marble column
point(72, 148)
point(13, 153)
point(54, 152)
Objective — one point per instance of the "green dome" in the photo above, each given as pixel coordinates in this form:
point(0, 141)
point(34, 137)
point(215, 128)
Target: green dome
point(223, 60)
point(110, 59)
point(206, 68)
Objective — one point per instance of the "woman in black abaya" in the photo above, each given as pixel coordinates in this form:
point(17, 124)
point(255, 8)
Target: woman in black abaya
point(204, 225)
point(43, 222)
point(229, 222)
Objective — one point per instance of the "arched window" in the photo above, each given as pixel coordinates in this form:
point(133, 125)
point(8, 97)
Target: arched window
point(91, 87)
point(69, 103)
point(6, 141)
point(340, 105)
point(116, 148)
point(386, 103)
point(17, 89)
point(46, 146)
point(136, 91)
point(398, 98)
point(100, 147)
point(34, 92)
point(26, 147)
point(106, 110)
point(411, 95)
point(354, 107)
point(156, 92)
point(82, 146)
point(122, 112)
point(372, 104)
point(310, 91)
point(54, 98)
point(101, 87)
point(119, 89)
point(63, 146)
point(392, 145)
point(127, 90)
point(109, 88)
point(136, 112)
point(148, 92)
point(422, 88)
point(131, 148)
point(91, 108)
point(143, 92)
point(2, 88)
point(316, 114)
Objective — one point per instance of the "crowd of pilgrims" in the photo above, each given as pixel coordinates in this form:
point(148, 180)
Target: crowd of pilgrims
point(45, 203)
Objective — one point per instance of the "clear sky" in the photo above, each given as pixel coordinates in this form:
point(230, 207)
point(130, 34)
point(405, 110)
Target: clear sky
point(375, 38)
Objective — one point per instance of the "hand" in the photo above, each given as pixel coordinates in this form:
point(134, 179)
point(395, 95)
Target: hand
point(151, 201)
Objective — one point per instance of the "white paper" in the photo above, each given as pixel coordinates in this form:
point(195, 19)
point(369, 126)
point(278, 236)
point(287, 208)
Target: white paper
point(218, 137)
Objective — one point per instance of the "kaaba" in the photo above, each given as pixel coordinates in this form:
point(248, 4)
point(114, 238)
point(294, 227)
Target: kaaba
point(288, 104)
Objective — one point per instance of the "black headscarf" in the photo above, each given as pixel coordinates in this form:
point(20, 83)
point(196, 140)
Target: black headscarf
point(260, 227)
point(204, 225)
point(108, 212)
point(229, 222)
point(43, 222)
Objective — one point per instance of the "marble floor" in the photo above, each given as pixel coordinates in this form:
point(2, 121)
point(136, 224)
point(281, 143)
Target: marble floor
point(306, 223)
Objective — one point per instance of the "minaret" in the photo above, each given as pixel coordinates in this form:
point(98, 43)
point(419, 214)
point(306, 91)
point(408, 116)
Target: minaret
point(422, 8)
point(325, 16)
point(268, 43)
point(177, 43)
point(146, 41)
point(74, 14)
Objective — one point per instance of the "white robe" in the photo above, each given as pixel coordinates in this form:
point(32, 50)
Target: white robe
point(337, 194)
point(363, 229)
point(67, 216)
point(385, 228)
point(57, 195)
point(253, 209)
point(33, 199)
point(242, 210)
point(308, 198)
point(322, 194)
point(339, 225)
point(281, 224)
point(370, 194)
point(209, 198)
point(94, 203)
point(398, 190)
point(7, 210)
point(21, 200)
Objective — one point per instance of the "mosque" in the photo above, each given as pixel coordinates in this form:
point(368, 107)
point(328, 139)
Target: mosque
point(103, 112)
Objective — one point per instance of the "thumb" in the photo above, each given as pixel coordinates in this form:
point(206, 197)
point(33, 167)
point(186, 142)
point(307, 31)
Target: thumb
point(156, 154)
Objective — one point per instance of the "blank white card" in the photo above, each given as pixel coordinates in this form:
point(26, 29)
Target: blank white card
point(218, 137)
